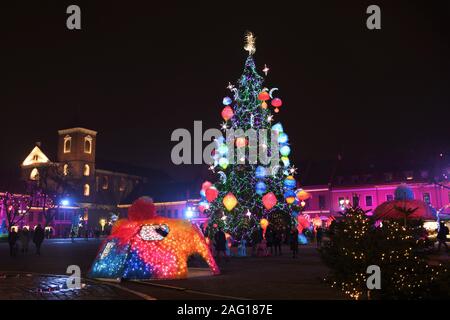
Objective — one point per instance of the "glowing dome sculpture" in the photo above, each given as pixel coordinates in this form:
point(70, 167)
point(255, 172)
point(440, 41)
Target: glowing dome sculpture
point(147, 246)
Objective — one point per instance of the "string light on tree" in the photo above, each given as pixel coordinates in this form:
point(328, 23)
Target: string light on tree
point(242, 188)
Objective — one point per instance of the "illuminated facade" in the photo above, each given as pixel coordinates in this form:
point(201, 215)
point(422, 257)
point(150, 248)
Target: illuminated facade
point(93, 189)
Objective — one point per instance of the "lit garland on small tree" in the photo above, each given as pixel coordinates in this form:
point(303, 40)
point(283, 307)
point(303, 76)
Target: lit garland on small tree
point(356, 243)
point(247, 192)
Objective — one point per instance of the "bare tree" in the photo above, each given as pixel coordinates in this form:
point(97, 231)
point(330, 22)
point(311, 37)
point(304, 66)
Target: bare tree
point(16, 207)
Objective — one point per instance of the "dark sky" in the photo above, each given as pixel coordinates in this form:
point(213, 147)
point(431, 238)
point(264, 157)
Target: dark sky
point(138, 70)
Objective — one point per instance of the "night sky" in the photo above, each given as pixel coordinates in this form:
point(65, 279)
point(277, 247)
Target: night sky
point(139, 70)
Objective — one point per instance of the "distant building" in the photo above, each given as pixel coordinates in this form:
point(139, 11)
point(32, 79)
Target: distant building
point(369, 183)
point(93, 190)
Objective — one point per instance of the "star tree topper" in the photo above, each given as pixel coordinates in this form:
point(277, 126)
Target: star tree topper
point(250, 41)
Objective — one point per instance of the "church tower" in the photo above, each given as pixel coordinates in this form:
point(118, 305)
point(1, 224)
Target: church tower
point(76, 154)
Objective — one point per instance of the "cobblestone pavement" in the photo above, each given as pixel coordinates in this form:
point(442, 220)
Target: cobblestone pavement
point(28, 286)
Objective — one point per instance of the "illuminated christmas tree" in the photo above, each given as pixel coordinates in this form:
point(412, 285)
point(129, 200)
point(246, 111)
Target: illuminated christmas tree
point(255, 176)
point(396, 249)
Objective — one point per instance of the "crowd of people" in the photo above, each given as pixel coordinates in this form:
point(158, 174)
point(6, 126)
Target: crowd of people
point(263, 243)
point(20, 240)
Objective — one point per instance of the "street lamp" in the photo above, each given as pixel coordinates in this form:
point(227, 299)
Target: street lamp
point(103, 224)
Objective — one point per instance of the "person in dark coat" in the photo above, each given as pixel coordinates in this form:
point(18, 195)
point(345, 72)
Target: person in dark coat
point(38, 238)
point(269, 239)
point(442, 236)
point(277, 239)
point(293, 237)
point(24, 237)
point(220, 242)
point(12, 239)
point(319, 236)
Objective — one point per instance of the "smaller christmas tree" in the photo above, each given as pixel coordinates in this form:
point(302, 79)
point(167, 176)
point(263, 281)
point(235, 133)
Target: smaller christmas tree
point(357, 243)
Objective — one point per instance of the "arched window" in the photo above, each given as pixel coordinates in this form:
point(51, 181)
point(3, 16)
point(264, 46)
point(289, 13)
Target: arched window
point(88, 144)
point(67, 144)
point(122, 185)
point(87, 170)
point(105, 183)
point(66, 169)
point(86, 190)
point(34, 175)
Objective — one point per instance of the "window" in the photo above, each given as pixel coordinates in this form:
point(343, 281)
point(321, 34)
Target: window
point(88, 144)
point(321, 202)
point(355, 200)
point(368, 201)
point(86, 170)
point(122, 184)
point(34, 175)
point(341, 201)
point(67, 144)
point(424, 174)
point(105, 183)
point(35, 157)
point(66, 169)
point(86, 190)
point(409, 175)
point(30, 217)
point(169, 213)
point(176, 213)
point(426, 198)
point(389, 197)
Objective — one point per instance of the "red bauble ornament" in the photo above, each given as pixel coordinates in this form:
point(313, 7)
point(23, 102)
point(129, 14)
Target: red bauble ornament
point(211, 194)
point(269, 200)
point(241, 142)
point(227, 113)
point(206, 185)
point(263, 96)
point(277, 103)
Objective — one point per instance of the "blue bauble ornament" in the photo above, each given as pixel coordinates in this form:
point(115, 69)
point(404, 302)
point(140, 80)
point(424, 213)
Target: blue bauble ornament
point(290, 183)
point(260, 188)
point(277, 127)
point(283, 138)
point(260, 172)
point(285, 150)
point(227, 101)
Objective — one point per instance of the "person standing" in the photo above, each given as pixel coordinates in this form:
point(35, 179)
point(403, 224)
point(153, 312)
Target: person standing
point(442, 236)
point(38, 238)
point(24, 237)
point(293, 237)
point(72, 234)
point(277, 239)
point(242, 248)
point(12, 239)
point(319, 236)
point(269, 239)
point(220, 242)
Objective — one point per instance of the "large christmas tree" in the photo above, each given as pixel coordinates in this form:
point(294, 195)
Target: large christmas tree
point(256, 181)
